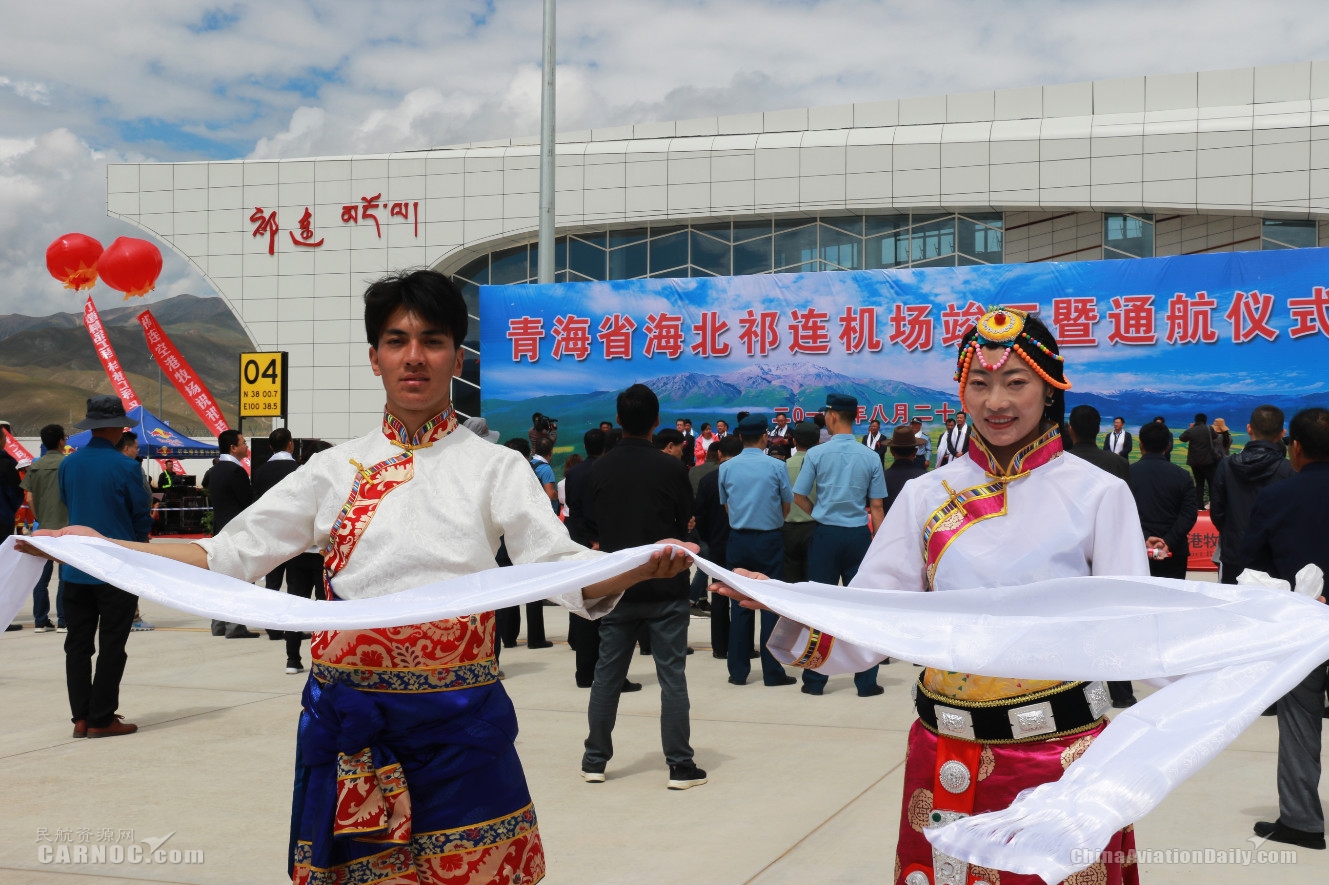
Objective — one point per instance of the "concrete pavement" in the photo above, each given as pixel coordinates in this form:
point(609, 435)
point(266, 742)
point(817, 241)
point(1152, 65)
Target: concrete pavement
point(801, 788)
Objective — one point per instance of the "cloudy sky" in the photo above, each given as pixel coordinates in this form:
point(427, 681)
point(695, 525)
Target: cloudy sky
point(88, 82)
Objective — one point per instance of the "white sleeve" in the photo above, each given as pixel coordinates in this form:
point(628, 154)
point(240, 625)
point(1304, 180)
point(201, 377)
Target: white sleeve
point(893, 562)
point(1118, 548)
point(520, 510)
point(274, 529)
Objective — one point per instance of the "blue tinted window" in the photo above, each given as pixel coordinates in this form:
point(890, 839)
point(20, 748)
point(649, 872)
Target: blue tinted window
point(709, 254)
point(932, 240)
point(1279, 234)
point(752, 257)
point(1128, 236)
point(628, 263)
point(624, 237)
point(747, 230)
point(796, 250)
point(586, 259)
point(477, 271)
point(839, 249)
point(980, 241)
point(669, 252)
point(509, 266)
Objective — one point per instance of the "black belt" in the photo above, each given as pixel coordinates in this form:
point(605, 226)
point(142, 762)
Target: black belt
point(755, 531)
point(1042, 715)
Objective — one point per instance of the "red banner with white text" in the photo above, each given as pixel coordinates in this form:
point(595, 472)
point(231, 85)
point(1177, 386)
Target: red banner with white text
point(182, 375)
point(106, 353)
point(14, 447)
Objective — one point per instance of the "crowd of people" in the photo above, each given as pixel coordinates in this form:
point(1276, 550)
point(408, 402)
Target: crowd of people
point(990, 504)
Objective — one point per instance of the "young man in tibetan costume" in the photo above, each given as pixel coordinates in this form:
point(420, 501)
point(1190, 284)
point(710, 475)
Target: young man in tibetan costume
point(1010, 511)
point(405, 767)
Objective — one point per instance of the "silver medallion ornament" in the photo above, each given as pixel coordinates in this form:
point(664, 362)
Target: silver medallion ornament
point(954, 776)
point(917, 877)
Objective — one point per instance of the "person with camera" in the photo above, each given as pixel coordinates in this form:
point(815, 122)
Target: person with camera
point(542, 427)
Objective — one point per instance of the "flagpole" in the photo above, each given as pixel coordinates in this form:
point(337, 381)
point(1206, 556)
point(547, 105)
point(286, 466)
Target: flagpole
point(545, 266)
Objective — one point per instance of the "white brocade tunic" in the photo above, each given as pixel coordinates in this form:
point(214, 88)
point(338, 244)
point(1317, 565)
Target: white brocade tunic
point(445, 522)
point(1066, 518)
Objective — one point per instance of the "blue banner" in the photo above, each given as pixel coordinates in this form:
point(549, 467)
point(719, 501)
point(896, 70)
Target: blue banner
point(1218, 334)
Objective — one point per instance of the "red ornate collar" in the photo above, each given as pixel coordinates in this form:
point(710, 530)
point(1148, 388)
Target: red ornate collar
point(1039, 452)
point(429, 433)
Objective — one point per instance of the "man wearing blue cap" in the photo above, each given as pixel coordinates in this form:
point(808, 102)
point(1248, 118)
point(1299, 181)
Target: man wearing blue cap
point(756, 492)
point(848, 481)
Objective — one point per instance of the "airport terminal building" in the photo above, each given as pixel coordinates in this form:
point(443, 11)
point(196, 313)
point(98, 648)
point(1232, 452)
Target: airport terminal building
point(1139, 167)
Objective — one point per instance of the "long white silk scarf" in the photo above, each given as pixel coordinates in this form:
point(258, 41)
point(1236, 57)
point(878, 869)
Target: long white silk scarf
point(1229, 651)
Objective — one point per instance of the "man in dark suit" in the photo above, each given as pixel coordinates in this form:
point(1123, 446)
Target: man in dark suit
point(1289, 529)
point(272, 471)
point(1165, 498)
point(684, 426)
point(875, 441)
point(641, 495)
point(1239, 478)
point(1201, 454)
point(1118, 441)
point(230, 493)
point(713, 528)
point(904, 464)
point(1084, 422)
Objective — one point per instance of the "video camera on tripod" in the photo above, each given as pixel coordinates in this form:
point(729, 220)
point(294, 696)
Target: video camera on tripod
point(543, 423)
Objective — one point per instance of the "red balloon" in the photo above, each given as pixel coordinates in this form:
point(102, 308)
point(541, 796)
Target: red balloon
point(72, 259)
point(131, 266)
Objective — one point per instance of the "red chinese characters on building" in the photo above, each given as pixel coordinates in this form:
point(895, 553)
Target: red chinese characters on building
point(1249, 315)
point(664, 334)
point(306, 232)
point(1074, 319)
point(858, 330)
point(911, 326)
point(956, 322)
point(616, 336)
point(708, 333)
point(572, 337)
point(759, 332)
point(1132, 320)
point(807, 333)
point(1311, 314)
point(265, 224)
point(525, 334)
point(1191, 320)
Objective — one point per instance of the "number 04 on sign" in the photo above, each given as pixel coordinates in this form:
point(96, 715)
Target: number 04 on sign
point(263, 385)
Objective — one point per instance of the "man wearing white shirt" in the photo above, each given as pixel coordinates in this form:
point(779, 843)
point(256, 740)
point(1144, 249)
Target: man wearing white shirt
point(1118, 442)
point(875, 441)
point(955, 442)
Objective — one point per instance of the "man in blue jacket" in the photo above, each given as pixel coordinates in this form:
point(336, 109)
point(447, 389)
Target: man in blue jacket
point(103, 489)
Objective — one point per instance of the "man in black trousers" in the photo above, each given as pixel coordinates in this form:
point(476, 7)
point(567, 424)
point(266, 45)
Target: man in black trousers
point(1289, 529)
point(641, 495)
point(230, 493)
point(1165, 498)
point(303, 574)
point(104, 490)
point(713, 528)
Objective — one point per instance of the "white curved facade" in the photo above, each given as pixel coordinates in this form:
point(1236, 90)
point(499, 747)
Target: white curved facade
point(1204, 159)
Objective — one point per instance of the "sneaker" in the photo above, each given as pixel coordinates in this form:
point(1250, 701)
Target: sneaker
point(13, 628)
point(293, 667)
point(48, 627)
point(141, 626)
point(61, 628)
point(1123, 703)
point(593, 777)
point(685, 776)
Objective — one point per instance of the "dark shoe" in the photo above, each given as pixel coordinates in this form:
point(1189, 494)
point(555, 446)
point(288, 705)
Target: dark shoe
point(872, 692)
point(753, 655)
point(688, 652)
point(80, 728)
point(1124, 703)
point(218, 628)
point(719, 657)
point(117, 727)
point(808, 689)
point(539, 645)
point(242, 633)
point(581, 684)
point(784, 680)
point(13, 627)
point(509, 644)
point(646, 652)
point(1272, 710)
point(1276, 831)
point(630, 686)
point(685, 776)
point(276, 634)
point(734, 680)
point(294, 667)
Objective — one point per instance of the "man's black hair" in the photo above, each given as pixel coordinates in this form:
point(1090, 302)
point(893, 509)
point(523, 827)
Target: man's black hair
point(1085, 421)
point(279, 439)
point(638, 410)
point(1310, 428)
point(731, 446)
point(819, 421)
point(52, 434)
point(593, 441)
point(127, 439)
point(428, 294)
point(668, 436)
point(544, 447)
point(228, 439)
point(320, 445)
point(517, 444)
point(1267, 422)
point(1201, 418)
point(1155, 438)
point(1159, 419)
point(1119, 418)
point(705, 425)
point(613, 438)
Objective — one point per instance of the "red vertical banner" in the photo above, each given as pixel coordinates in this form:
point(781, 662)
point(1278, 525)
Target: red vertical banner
point(182, 375)
point(106, 353)
point(14, 447)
